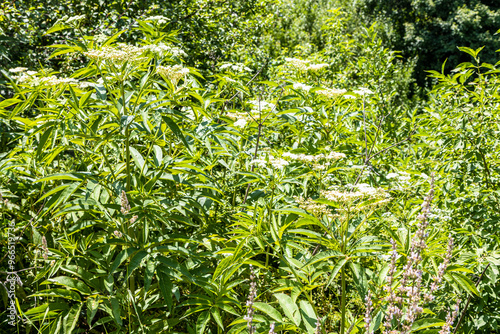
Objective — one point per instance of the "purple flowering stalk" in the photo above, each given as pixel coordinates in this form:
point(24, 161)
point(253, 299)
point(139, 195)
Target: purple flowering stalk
point(251, 299)
point(368, 313)
point(450, 319)
point(410, 291)
point(271, 329)
point(318, 327)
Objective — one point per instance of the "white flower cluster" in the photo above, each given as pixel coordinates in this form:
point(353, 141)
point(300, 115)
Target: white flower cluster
point(332, 156)
point(301, 86)
point(401, 176)
point(261, 106)
point(298, 64)
point(100, 38)
point(274, 162)
point(236, 67)
point(173, 73)
point(317, 67)
point(240, 123)
point(303, 65)
point(18, 69)
point(54, 81)
point(331, 93)
point(163, 49)
point(316, 209)
point(119, 54)
point(25, 76)
point(363, 192)
point(363, 91)
point(158, 18)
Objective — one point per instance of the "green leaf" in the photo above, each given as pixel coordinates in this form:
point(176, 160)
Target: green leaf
point(116, 310)
point(289, 307)
point(308, 315)
point(202, 322)
point(176, 130)
point(139, 160)
point(71, 283)
point(135, 262)
point(122, 256)
point(71, 318)
point(268, 310)
point(426, 323)
point(58, 293)
point(92, 306)
point(165, 287)
point(324, 256)
point(464, 282)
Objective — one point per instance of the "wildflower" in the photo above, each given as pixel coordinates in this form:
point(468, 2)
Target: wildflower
point(18, 69)
point(271, 329)
point(133, 219)
point(45, 248)
point(117, 234)
point(240, 123)
point(450, 319)
point(251, 299)
point(363, 91)
point(317, 67)
point(54, 81)
point(331, 93)
point(125, 206)
point(163, 49)
point(172, 73)
point(100, 38)
point(158, 19)
point(317, 330)
point(118, 55)
point(260, 106)
point(316, 209)
point(301, 86)
point(85, 84)
point(274, 162)
point(236, 67)
point(298, 64)
point(368, 313)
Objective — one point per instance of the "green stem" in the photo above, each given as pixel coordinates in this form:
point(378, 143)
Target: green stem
point(342, 302)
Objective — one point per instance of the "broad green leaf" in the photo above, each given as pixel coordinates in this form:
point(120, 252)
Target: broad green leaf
point(268, 310)
point(289, 308)
point(71, 283)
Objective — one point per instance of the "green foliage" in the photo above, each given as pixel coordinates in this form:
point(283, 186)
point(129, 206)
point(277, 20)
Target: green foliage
point(432, 30)
point(145, 180)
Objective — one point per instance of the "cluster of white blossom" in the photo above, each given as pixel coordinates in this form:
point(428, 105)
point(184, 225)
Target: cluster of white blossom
point(119, 54)
point(261, 106)
point(158, 19)
point(301, 86)
point(162, 49)
point(331, 93)
point(274, 162)
point(18, 69)
point(298, 64)
point(401, 176)
point(332, 156)
point(54, 81)
point(236, 67)
point(316, 209)
point(369, 197)
point(173, 73)
point(317, 67)
point(240, 123)
point(303, 65)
